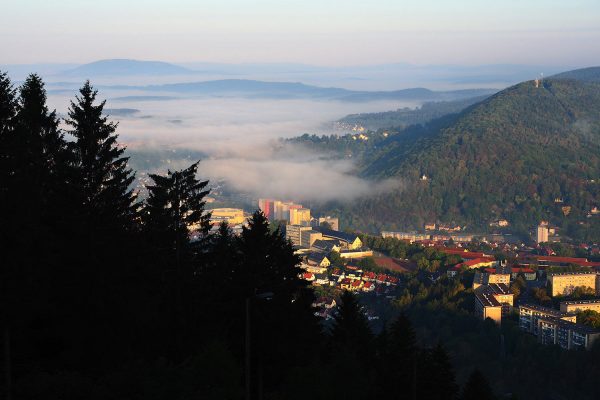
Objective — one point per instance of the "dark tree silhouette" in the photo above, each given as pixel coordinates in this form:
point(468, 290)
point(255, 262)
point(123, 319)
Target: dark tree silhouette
point(174, 215)
point(398, 360)
point(176, 225)
point(350, 327)
point(101, 178)
point(477, 388)
point(436, 376)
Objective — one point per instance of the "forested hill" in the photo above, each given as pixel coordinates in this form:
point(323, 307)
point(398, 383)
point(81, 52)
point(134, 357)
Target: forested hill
point(515, 155)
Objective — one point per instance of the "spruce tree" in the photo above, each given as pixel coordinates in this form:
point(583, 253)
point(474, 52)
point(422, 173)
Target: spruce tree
point(8, 106)
point(175, 225)
point(101, 178)
point(399, 359)
point(32, 151)
point(174, 213)
point(350, 326)
point(437, 375)
point(477, 387)
point(284, 323)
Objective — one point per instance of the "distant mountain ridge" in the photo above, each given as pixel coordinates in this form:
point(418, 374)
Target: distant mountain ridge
point(290, 90)
point(126, 67)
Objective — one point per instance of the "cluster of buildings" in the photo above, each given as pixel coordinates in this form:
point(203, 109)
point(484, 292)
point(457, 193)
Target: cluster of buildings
point(310, 240)
point(493, 297)
point(560, 327)
point(293, 214)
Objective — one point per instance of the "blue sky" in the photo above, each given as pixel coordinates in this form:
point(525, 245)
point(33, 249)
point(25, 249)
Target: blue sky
point(321, 32)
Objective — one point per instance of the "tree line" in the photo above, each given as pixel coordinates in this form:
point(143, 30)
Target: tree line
point(107, 295)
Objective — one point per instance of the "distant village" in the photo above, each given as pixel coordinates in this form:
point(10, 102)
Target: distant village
point(334, 261)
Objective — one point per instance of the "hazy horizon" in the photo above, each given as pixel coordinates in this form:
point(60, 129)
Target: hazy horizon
point(466, 32)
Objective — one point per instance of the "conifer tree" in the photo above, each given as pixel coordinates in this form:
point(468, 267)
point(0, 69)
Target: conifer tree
point(7, 286)
point(350, 327)
point(101, 178)
point(399, 359)
point(175, 225)
point(477, 387)
point(173, 212)
point(437, 375)
point(285, 323)
point(8, 105)
point(32, 151)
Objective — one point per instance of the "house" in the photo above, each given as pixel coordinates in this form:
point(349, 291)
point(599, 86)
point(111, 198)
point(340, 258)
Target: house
point(391, 280)
point(308, 276)
point(318, 260)
point(368, 286)
point(356, 285)
point(346, 283)
point(368, 276)
point(321, 279)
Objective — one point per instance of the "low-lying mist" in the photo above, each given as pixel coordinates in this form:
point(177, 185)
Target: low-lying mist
point(239, 141)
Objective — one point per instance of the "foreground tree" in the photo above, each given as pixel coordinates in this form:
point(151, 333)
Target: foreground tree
point(174, 217)
point(175, 226)
point(436, 375)
point(477, 388)
point(101, 181)
point(398, 359)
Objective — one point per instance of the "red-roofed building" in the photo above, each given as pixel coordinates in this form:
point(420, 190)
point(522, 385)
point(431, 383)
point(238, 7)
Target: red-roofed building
point(356, 285)
point(368, 287)
point(556, 261)
point(463, 253)
point(369, 276)
point(346, 283)
point(392, 280)
point(308, 276)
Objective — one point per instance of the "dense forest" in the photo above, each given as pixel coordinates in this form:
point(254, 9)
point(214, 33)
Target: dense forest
point(108, 296)
point(528, 153)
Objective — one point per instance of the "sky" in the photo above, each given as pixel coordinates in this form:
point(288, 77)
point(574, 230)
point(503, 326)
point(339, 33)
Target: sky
point(320, 32)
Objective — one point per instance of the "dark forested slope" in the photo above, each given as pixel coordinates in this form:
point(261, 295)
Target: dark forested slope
point(516, 155)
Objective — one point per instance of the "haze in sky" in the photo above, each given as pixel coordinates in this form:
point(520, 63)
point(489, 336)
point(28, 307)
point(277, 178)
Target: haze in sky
point(322, 32)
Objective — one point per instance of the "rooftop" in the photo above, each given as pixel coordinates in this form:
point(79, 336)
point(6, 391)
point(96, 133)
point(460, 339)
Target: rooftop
point(572, 273)
point(499, 288)
point(486, 299)
point(346, 237)
point(545, 310)
point(594, 301)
